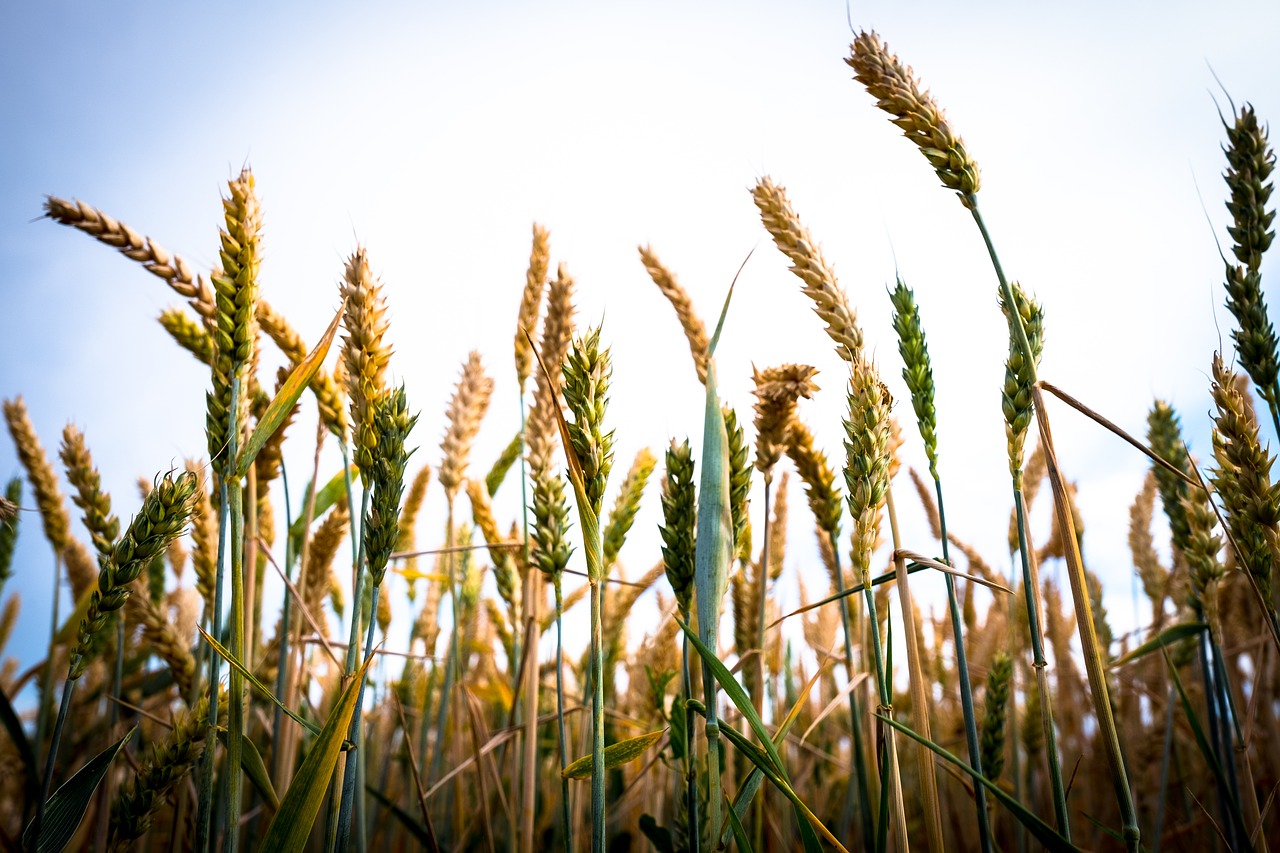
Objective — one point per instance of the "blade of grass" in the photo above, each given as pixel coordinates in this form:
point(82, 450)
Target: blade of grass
point(279, 408)
point(1044, 833)
point(294, 819)
point(255, 681)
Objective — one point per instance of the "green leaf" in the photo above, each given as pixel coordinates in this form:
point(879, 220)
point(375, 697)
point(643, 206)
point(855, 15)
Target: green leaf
point(253, 679)
point(755, 778)
point(301, 804)
point(1167, 637)
point(253, 766)
point(419, 831)
point(284, 401)
point(615, 755)
point(13, 725)
point(803, 814)
point(737, 695)
point(1044, 833)
point(67, 807)
point(739, 833)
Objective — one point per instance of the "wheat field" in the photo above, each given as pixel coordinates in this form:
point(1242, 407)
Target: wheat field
point(371, 637)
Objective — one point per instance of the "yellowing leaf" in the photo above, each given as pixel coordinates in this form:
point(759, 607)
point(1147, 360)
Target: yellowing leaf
point(615, 755)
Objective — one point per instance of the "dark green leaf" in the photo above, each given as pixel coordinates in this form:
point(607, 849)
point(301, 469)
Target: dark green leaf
point(253, 679)
point(1167, 637)
point(739, 833)
point(67, 807)
point(254, 768)
point(18, 735)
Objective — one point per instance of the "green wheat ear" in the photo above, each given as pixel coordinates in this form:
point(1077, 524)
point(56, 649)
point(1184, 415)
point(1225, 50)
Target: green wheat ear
point(679, 522)
point(163, 518)
point(1019, 376)
point(916, 369)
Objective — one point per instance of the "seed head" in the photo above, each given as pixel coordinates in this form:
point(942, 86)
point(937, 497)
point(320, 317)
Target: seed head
point(916, 369)
point(364, 353)
point(235, 290)
point(53, 512)
point(103, 526)
point(1243, 478)
point(679, 522)
point(627, 504)
point(163, 517)
point(1019, 376)
point(466, 411)
point(819, 479)
point(1250, 162)
point(817, 278)
point(392, 424)
point(915, 112)
point(587, 372)
point(739, 484)
point(695, 331)
point(189, 334)
point(995, 706)
point(866, 472)
point(777, 391)
point(535, 281)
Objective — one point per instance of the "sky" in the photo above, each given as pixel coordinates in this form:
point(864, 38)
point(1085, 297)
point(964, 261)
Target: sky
point(435, 134)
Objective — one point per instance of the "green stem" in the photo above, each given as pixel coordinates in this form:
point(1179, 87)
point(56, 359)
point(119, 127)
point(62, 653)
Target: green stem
point(204, 814)
point(690, 749)
point(966, 689)
point(598, 841)
point(886, 704)
point(1031, 586)
point(565, 813)
point(47, 784)
point(758, 692)
point(282, 656)
point(46, 686)
point(237, 689)
point(1215, 738)
point(855, 715)
point(349, 778)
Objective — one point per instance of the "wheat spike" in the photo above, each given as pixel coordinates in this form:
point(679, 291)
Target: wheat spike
point(44, 482)
point(915, 112)
point(777, 391)
point(818, 279)
point(163, 637)
point(695, 331)
point(103, 526)
point(466, 410)
point(175, 271)
point(627, 504)
point(557, 330)
point(535, 281)
point(235, 290)
point(364, 353)
point(163, 517)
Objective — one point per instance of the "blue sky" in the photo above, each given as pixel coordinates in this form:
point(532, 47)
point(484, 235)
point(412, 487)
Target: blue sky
point(435, 134)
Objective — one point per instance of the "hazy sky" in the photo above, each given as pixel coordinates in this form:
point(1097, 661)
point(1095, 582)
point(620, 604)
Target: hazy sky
point(436, 134)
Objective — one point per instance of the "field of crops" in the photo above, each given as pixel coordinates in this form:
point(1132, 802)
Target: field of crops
point(261, 655)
